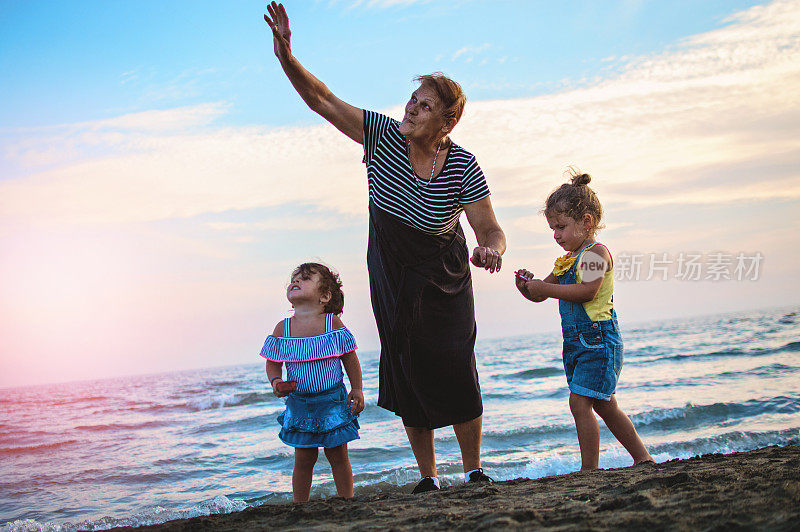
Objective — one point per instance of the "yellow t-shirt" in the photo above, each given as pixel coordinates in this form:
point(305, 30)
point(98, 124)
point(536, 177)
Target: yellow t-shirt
point(599, 308)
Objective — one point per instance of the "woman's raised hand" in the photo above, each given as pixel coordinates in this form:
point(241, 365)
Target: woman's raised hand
point(347, 119)
point(278, 22)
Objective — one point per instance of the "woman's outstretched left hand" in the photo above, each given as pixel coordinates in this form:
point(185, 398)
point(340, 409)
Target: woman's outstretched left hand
point(356, 401)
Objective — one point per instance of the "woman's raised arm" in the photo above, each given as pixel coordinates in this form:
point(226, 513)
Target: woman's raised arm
point(347, 119)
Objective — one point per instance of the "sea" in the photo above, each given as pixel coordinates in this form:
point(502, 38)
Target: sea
point(142, 450)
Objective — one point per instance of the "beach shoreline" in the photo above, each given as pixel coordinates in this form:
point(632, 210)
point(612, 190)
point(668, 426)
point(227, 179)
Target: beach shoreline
point(758, 489)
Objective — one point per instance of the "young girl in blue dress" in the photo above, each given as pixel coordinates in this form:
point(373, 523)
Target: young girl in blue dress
point(314, 344)
point(583, 282)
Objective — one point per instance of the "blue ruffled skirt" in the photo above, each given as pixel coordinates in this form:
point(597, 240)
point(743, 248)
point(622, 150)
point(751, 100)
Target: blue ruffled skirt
point(318, 419)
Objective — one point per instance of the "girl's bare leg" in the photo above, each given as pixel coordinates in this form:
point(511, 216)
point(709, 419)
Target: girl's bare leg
point(622, 428)
point(304, 460)
point(588, 430)
point(342, 472)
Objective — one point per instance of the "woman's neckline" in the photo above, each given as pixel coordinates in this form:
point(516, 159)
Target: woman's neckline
point(447, 150)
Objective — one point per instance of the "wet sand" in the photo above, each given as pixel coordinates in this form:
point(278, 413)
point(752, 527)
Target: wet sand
point(755, 490)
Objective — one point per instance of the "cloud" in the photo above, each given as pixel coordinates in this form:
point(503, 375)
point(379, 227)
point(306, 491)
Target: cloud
point(159, 120)
point(131, 75)
point(468, 53)
point(147, 173)
point(169, 233)
point(321, 221)
point(713, 120)
point(31, 148)
point(384, 4)
point(718, 110)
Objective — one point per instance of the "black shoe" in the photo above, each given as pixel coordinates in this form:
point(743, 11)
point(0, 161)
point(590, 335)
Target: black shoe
point(479, 476)
point(426, 484)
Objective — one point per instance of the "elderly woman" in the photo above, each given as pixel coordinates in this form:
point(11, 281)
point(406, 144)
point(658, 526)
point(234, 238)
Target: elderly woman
point(420, 282)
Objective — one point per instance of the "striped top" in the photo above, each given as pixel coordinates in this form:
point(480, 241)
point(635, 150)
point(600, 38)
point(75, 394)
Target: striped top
point(431, 206)
point(312, 361)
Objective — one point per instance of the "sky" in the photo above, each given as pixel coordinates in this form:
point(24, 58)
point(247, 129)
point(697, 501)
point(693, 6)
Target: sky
point(160, 179)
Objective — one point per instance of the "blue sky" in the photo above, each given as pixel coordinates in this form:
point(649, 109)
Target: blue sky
point(76, 61)
point(159, 178)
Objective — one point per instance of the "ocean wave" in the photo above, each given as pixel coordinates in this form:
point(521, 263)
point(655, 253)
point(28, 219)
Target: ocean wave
point(511, 395)
point(212, 402)
point(400, 480)
point(692, 416)
point(378, 454)
point(533, 373)
point(91, 399)
point(212, 438)
point(28, 449)
point(725, 353)
point(218, 505)
point(403, 479)
point(767, 371)
point(245, 425)
point(526, 434)
point(122, 426)
point(730, 442)
point(689, 416)
point(223, 384)
point(226, 400)
point(277, 461)
point(131, 406)
point(16, 436)
point(564, 460)
point(153, 477)
point(557, 461)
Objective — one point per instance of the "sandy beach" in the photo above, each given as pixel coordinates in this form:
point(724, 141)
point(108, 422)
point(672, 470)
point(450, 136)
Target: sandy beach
point(755, 490)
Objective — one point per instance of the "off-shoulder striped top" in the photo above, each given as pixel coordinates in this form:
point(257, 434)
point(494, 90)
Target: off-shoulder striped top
point(312, 361)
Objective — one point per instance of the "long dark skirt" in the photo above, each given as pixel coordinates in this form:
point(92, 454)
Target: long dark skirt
point(421, 290)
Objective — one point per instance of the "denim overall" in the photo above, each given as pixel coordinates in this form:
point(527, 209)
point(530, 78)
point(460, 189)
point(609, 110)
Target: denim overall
point(592, 349)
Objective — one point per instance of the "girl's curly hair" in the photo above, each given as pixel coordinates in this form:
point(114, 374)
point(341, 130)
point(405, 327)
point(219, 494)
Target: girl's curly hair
point(575, 199)
point(328, 282)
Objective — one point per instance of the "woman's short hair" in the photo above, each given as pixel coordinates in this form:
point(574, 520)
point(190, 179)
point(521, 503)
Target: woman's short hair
point(449, 92)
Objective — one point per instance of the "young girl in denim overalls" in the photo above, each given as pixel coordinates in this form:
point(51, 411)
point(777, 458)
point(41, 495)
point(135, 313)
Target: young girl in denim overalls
point(583, 282)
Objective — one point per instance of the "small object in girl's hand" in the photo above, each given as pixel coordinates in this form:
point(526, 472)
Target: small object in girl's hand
point(286, 386)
